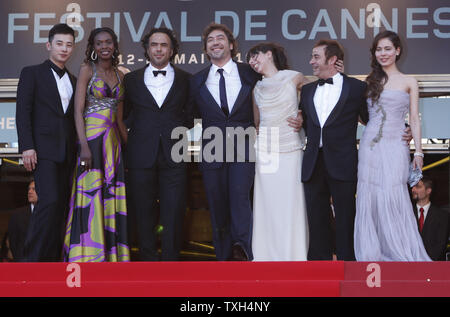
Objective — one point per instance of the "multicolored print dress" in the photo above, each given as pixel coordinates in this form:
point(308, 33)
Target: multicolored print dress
point(97, 222)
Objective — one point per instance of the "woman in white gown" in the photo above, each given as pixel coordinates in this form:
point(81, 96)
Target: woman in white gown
point(280, 227)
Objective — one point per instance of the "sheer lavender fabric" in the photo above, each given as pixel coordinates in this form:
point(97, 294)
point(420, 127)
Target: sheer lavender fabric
point(385, 226)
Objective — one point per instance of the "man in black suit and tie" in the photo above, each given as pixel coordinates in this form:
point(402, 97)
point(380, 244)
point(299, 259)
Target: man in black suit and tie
point(157, 100)
point(222, 95)
point(433, 222)
point(331, 107)
point(46, 133)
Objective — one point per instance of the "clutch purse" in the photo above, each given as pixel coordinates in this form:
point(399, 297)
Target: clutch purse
point(415, 175)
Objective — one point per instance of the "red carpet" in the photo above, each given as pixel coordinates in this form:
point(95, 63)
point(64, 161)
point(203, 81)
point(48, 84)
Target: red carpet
point(175, 279)
point(398, 279)
point(224, 279)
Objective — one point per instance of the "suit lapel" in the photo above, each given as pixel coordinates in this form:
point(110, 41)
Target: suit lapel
point(72, 99)
point(341, 102)
point(246, 88)
point(429, 219)
point(143, 87)
point(206, 94)
point(50, 79)
point(415, 213)
point(312, 106)
point(172, 89)
point(209, 99)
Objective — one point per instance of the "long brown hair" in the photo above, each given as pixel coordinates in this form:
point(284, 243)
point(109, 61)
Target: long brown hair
point(378, 77)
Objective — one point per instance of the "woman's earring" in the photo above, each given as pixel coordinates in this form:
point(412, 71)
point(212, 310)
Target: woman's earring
point(92, 55)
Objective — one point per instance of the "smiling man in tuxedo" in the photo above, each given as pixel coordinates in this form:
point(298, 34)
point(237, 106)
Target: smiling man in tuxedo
point(331, 107)
point(157, 100)
point(46, 133)
point(222, 95)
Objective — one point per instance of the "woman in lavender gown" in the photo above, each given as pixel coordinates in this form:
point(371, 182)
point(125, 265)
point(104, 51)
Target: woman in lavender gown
point(385, 227)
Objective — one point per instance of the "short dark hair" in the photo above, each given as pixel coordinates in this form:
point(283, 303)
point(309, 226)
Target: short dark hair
point(170, 33)
point(332, 48)
point(278, 54)
point(61, 28)
point(222, 27)
point(427, 182)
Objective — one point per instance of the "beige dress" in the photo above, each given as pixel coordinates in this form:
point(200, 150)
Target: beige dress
point(280, 228)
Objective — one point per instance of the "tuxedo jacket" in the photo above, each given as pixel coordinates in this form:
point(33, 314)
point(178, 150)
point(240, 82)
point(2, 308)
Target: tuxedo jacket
point(435, 232)
point(241, 116)
point(41, 122)
point(149, 125)
point(338, 133)
point(17, 231)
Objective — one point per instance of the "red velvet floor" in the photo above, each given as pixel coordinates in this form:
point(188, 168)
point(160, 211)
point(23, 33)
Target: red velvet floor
point(225, 279)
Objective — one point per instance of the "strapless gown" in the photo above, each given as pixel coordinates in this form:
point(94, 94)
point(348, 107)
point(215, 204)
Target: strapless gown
point(385, 225)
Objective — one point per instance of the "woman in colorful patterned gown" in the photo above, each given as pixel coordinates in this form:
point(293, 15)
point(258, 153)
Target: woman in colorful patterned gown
point(97, 222)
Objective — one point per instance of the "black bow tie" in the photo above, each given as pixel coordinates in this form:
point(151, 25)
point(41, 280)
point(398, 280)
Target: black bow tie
point(325, 81)
point(156, 72)
point(58, 70)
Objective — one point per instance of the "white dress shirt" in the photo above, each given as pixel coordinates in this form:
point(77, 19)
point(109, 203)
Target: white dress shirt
point(326, 98)
point(160, 85)
point(64, 88)
point(232, 83)
point(425, 210)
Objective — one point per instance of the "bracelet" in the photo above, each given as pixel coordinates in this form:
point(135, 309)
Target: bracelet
point(418, 154)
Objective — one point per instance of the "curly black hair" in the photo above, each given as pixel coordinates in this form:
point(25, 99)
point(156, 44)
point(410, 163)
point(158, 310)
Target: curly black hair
point(90, 45)
point(170, 33)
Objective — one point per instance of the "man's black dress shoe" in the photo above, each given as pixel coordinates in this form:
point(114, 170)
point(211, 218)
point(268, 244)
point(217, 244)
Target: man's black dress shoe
point(238, 253)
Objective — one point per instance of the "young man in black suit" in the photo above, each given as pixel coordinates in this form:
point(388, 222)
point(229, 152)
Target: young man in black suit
point(432, 221)
point(46, 133)
point(157, 102)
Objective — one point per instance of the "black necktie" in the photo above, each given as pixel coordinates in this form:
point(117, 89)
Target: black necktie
point(58, 70)
point(223, 93)
point(325, 81)
point(156, 72)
